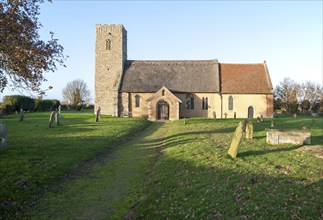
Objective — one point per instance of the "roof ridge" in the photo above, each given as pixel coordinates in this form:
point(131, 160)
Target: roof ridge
point(173, 62)
point(242, 63)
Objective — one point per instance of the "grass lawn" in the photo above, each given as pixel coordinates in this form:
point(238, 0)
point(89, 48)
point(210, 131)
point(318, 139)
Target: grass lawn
point(194, 179)
point(168, 171)
point(39, 157)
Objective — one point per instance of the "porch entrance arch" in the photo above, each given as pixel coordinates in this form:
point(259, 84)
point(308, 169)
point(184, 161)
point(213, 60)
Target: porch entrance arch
point(162, 110)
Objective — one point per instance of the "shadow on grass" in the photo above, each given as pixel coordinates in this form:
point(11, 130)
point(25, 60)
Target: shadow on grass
point(182, 189)
point(269, 151)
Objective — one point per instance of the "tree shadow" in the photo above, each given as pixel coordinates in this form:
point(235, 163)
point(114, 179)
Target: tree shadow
point(205, 189)
point(262, 152)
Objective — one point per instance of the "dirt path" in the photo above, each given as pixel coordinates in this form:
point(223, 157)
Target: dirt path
point(111, 186)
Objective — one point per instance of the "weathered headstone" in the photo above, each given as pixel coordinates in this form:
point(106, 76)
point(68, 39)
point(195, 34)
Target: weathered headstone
point(59, 110)
point(51, 119)
point(184, 121)
point(249, 130)
point(258, 119)
point(261, 118)
point(245, 122)
point(225, 115)
point(214, 114)
point(272, 124)
point(57, 117)
point(98, 115)
point(295, 115)
point(236, 139)
point(21, 115)
point(235, 115)
point(3, 137)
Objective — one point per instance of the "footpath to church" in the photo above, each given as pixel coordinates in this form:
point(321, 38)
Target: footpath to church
point(111, 185)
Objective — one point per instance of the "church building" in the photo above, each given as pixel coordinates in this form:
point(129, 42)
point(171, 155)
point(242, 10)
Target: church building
point(173, 89)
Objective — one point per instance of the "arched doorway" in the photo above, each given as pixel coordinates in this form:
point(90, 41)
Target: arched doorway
point(162, 110)
point(250, 112)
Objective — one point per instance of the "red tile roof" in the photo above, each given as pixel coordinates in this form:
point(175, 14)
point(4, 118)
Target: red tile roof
point(245, 78)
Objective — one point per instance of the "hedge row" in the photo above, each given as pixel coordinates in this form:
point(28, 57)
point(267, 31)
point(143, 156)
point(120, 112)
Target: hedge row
point(14, 103)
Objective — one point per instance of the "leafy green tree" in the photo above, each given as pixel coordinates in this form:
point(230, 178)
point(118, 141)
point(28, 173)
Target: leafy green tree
point(46, 104)
point(24, 57)
point(17, 102)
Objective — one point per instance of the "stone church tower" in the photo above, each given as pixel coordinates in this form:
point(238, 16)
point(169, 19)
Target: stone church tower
point(110, 57)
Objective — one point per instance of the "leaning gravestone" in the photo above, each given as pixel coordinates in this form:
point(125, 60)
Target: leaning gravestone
point(236, 139)
point(51, 120)
point(249, 130)
point(3, 137)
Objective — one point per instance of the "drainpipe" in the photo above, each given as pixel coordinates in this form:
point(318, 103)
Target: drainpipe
point(221, 105)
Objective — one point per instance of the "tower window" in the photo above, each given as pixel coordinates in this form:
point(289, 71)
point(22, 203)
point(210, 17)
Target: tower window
point(108, 45)
point(230, 103)
point(137, 101)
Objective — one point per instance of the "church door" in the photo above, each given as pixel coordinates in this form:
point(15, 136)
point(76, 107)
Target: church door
point(250, 112)
point(162, 111)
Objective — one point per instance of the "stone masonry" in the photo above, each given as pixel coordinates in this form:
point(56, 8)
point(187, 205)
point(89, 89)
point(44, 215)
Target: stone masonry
point(110, 56)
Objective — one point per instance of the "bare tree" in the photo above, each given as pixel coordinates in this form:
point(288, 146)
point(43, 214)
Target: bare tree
point(76, 92)
point(286, 95)
point(310, 95)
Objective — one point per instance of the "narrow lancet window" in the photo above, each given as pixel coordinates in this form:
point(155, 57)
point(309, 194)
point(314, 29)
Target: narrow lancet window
point(137, 101)
point(108, 45)
point(230, 103)
point(189, 102)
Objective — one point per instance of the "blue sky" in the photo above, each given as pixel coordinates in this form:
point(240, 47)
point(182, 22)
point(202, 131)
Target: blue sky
point(287, 34)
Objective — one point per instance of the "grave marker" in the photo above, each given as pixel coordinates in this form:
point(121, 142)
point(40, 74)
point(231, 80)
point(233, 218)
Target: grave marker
point(3, 137)
point(57, 118)
point(249, 130)
point(21, 114)
point(235, 143)
point(98, 115)
point(51, 119)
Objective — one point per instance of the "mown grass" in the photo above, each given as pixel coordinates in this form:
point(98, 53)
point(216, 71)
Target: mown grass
point(170, 171)
point(38, 157)
point(195, 179)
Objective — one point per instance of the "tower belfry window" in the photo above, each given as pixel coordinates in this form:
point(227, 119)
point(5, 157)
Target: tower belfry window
point(108, 45)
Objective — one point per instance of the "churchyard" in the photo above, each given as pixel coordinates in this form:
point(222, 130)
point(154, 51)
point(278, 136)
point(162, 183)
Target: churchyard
point(135, 169)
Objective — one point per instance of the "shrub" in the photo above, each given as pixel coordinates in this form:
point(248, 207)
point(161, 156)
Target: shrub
point(18, 102)
point(46, 104)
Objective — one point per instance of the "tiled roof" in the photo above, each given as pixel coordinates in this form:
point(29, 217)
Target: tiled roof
point(177, 76)
point(245, 78)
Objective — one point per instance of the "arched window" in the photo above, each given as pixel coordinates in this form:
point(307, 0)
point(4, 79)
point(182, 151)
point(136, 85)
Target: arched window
point(205, 104)
point(230, 103)
point(190, 102)
point(137, 101)
point(108, 45)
